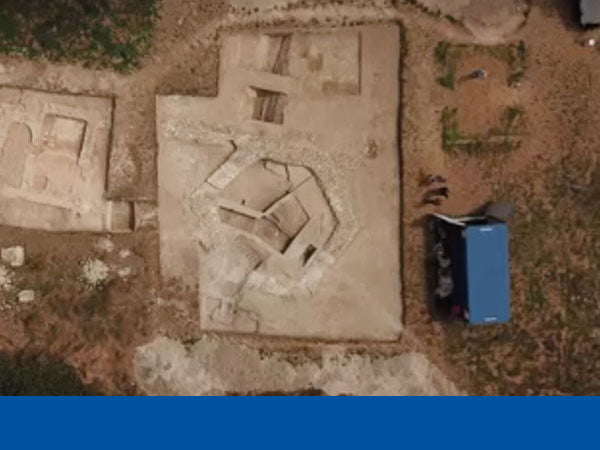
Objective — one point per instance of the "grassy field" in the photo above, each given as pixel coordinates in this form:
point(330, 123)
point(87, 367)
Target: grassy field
point(98, 33)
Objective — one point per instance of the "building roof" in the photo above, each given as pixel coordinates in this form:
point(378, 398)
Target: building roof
point(590, 12)
point(488, 278)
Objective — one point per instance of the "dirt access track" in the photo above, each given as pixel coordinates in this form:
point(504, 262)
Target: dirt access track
point(263, 252)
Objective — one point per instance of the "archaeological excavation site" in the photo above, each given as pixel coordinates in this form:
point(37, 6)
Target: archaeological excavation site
point(271, 223)
point(265, 208)
point(234, 197)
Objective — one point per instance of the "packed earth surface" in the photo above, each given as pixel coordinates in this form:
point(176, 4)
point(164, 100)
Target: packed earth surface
point(225, 196)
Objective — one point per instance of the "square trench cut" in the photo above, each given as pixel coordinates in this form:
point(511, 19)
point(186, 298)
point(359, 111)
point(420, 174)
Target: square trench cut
point(268, 106)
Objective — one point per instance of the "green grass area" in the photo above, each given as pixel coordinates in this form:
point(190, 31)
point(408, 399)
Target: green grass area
point(552, 344)
point(448, 55)
point(500, 139)
point(99, 33)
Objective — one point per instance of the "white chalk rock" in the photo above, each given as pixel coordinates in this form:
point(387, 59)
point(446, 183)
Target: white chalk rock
point(95, 272)
point(13, 256)
point(104, 245)
point(125, 272)
point(26, 296)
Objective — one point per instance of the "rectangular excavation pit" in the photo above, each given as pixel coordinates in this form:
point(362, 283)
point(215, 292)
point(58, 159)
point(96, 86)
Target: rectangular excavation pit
point(53, 162)
point(268, 106)
point(280, 63)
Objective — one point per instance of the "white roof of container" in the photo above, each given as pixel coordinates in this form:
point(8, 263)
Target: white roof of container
point(590, 12)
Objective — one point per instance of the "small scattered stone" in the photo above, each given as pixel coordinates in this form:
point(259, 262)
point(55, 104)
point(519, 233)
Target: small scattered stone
point(372, 149)
point(104, 245)
point(5, 279)
point(125, 272)
point(26, 296)
point(95, 272)
point(14, 256)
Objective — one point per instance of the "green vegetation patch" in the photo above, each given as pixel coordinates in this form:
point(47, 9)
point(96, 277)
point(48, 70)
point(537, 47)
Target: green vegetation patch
point(500, 139)
point(99, 33)
point(448, 55)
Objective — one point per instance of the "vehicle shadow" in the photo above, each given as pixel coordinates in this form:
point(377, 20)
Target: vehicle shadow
point(29, 374)
point(439, 309)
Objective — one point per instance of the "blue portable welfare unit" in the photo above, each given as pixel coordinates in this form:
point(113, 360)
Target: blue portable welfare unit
point(472, 264)
point(590, 12)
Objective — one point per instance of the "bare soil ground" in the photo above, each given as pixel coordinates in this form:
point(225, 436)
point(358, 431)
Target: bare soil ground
point(481, 103)
point(83, 339)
